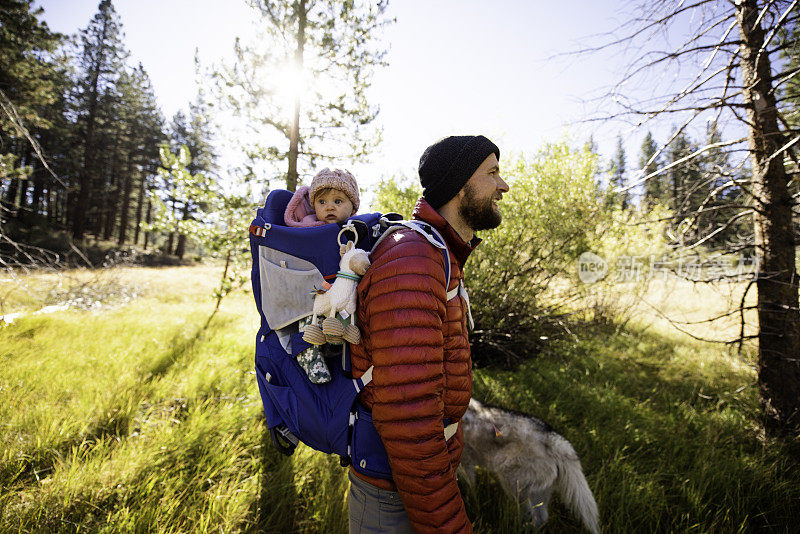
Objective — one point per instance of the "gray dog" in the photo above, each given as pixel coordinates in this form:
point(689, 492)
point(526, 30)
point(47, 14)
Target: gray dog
point(530, 460)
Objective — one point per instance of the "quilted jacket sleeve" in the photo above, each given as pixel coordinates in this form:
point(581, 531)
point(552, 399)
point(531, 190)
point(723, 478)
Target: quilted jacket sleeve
point(404, 310)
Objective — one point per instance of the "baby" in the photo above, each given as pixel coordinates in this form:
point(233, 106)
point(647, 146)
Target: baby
point(332, 197)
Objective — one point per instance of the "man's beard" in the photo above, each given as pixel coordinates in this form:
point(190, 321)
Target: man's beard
point(479, 214)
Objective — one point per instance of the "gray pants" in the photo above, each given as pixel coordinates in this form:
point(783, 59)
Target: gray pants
point(374, 510)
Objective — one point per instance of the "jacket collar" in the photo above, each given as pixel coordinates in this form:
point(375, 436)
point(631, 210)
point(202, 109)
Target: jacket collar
point(460, 248)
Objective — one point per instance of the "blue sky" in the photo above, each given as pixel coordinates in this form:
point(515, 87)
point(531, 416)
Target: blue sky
point(456, 66)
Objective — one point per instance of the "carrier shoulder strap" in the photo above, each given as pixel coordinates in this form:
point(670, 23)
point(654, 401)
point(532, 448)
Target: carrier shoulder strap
point(434, 238)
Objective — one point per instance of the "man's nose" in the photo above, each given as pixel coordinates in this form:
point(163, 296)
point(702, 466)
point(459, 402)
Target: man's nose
point(502, 185)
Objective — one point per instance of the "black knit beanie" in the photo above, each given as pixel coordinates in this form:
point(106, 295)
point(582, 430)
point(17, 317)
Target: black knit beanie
point(447, 165)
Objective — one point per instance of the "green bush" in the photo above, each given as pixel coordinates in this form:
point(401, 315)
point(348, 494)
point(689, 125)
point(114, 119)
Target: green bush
point(551, 215)
point(523, 279)
point(397, 195)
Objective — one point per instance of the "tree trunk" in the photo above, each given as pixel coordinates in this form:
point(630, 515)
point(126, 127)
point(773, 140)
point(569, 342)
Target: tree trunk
point(11, 194)
point(180, 248)
point(48, 196)
point(90, 150)
point(98, 200)
point(292, 177)
point(55, 209)
point(139, 206)
point(82, 202)
point(68, 205)
point(38, 190)
point(126, 202)
point(24, 185)
point(19, 200)
point(147, 220)
point(86, 173)
point(778, 316)
point(62, 206)
point(111, 207)
point(171, 236)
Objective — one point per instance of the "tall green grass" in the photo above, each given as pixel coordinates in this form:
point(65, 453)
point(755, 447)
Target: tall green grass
point(137, 418)
point(667, 430)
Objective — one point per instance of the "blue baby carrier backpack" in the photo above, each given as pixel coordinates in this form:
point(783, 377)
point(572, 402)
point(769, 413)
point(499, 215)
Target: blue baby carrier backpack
point(288, 263)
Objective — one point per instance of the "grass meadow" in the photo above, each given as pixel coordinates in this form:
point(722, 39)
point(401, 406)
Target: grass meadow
point(133, 416)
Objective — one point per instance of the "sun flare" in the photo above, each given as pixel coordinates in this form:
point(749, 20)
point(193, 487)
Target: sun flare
point(291, 83)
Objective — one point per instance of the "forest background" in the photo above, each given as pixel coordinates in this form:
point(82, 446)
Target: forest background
point(644, 302)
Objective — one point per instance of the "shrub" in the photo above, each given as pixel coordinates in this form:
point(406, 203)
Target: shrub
point(524, 279)
point(397, 195)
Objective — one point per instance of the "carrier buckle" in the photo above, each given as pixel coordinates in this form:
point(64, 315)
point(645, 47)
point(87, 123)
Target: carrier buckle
point(283, 440)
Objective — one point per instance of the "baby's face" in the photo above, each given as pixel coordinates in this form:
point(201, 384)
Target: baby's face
point(332, 206)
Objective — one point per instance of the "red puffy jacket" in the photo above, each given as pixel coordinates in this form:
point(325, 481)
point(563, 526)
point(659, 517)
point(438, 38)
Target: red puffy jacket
point(418, 345)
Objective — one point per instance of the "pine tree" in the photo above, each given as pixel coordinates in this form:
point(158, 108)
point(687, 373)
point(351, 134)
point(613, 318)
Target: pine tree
point(100, 63)
point(29, 86)
point(26, 44)
point(682, 176)
point(131, 104)
point(152, 134)
point(654, 187)
point(195, 133)
point(719, 200)
point(145, 134)
point(617, 194)
point(306, 81)
point(110, 135)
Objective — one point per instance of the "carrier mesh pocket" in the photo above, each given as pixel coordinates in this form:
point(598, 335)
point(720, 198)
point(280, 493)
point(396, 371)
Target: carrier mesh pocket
point(287, 283)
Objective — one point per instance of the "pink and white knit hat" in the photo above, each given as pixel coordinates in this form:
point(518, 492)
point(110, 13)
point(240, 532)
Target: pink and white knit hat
point(338, 179)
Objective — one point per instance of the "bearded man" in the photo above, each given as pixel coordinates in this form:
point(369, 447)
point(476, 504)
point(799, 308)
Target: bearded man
point(414, 336)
